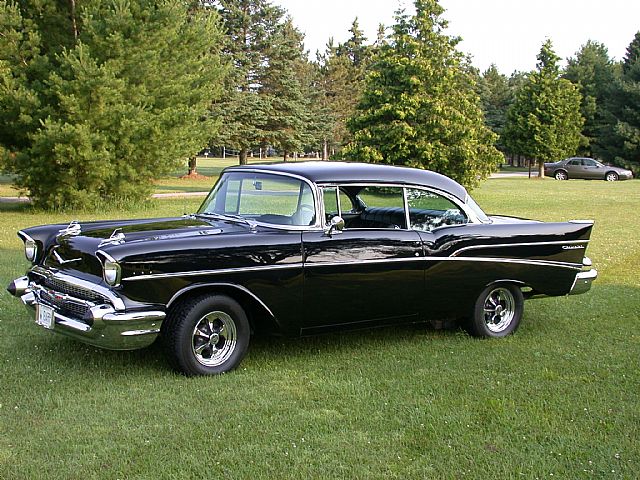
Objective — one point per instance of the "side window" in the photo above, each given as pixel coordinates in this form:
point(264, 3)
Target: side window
point(330, 200)
point(346, 205)
point(428, 211)
point(575, 162)
point(587, 162)
point(383, 207)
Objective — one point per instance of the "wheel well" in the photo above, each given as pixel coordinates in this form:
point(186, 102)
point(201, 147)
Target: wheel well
point(259, 316)
point(610, 171)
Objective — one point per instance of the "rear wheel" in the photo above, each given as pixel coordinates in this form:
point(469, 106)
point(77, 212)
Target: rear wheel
point(611, 177)
point(497, 311)
point(561, 175)
point(206, 335)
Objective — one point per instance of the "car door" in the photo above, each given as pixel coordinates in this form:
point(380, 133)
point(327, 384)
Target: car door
point(574, 168)
point(592, 169)
point(368, 274)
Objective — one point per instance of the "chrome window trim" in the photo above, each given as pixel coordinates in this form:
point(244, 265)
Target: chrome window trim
point(519, 244)
point(105, 292)
point(473, 219)
point(318, 225)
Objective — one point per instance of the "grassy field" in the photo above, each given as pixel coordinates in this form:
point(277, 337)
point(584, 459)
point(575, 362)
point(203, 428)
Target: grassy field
point(559, 399)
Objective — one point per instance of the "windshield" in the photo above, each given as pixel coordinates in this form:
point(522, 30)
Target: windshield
point(475, 208)
point(262, 197)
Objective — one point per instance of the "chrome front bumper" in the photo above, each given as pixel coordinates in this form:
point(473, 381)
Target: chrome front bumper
point(101, 325)
point(582, 282)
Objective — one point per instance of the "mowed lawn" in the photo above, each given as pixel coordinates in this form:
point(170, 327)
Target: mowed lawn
point(559, 399)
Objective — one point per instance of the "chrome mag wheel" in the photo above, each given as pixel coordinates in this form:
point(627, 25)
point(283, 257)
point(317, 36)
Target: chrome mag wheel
point(499, 309)
point(611, 177)
point(214, 339)
point(560, 175)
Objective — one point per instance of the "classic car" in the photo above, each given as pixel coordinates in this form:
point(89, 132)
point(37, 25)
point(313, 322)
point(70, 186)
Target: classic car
point(297, 249)
point(586, 169)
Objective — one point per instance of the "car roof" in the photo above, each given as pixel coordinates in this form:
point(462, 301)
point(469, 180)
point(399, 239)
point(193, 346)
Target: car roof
point(323, 172)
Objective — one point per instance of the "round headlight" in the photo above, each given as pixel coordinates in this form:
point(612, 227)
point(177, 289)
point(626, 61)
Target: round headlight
point(30, 249)
point(111, 272)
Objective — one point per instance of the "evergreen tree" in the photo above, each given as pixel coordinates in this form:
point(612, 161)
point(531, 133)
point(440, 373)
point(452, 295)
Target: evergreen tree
point(496, 95)
point(620, 139)
point(341, 82)
point(419, 106)
point(544, 121)
point(108, 108)
point(251, 28)
point(593, 72)
point(288, 126)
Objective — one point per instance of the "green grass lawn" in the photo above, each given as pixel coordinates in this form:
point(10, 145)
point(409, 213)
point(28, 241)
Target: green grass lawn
point(561, 397)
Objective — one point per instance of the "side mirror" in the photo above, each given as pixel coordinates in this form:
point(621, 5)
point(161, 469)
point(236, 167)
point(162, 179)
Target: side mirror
point(336, 225)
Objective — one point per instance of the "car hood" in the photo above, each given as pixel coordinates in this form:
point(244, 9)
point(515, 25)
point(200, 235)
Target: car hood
point(74, 246)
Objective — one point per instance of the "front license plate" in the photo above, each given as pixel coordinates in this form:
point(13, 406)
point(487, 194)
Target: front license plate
point(44, 316)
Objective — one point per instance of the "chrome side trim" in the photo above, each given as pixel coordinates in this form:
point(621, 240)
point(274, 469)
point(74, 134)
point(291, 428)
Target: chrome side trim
point(213, 272)
point(550, 263)
point(519, 244)
point(213, 285)
point(107, 293)
point(572, 266)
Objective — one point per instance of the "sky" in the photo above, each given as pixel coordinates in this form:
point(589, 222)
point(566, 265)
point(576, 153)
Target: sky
point(508, 33)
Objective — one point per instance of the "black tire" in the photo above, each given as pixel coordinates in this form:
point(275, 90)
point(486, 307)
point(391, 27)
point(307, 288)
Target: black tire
point(560, 175)
point(497, 311)
point(206, 335)
point(611, 177)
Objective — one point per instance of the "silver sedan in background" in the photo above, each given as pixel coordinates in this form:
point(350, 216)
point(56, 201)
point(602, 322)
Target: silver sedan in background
point(585, 168)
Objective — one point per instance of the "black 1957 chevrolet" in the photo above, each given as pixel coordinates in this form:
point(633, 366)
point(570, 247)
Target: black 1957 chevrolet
point(297, 249)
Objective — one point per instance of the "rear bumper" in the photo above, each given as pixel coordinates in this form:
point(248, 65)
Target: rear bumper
point(583, 281)
point(101, 325)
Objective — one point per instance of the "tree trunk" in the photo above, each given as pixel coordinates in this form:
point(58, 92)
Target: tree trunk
point(193, 166)
point(540, 168)
point(74, 24)
point(325, 150)
point(285, 156)
point(242, 156)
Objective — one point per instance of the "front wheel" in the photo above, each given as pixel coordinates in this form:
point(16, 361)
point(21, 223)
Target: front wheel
point(611, 177)
point(561, 175)
point(206, 335)
point(497, 311)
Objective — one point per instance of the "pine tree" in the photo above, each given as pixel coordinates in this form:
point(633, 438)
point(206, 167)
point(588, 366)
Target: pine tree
point(108, 108)
point(251, 28)
point(419, 106)
point(496, 95)
point(286, 85)
point(620, 138)
point(544, 121)
point(593, 72)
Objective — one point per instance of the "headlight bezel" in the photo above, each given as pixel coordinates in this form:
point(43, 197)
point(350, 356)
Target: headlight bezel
point(111, 270)
point(30, 247)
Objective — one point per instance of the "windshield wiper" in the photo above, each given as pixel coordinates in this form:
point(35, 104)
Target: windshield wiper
point(229, 217)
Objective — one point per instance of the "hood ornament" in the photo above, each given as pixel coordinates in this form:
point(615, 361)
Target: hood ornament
point(72, 229)
point(116, 238)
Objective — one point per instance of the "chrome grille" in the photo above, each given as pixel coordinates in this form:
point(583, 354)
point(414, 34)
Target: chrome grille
point(64, 306)
point(73, 290)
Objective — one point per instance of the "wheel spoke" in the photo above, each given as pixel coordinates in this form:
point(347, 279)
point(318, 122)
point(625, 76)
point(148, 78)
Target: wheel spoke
point(201, 348)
